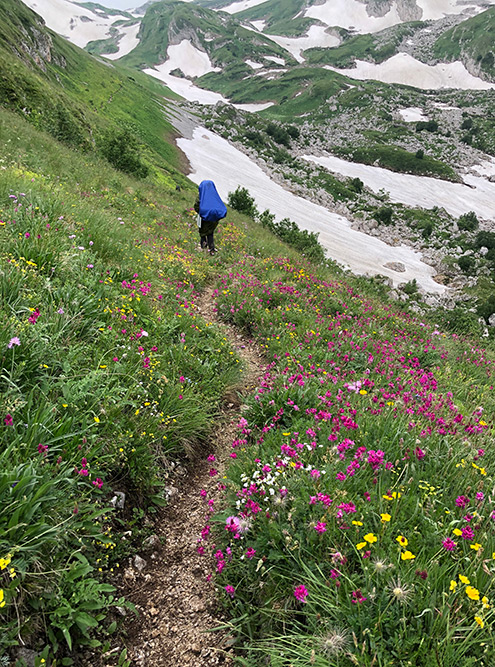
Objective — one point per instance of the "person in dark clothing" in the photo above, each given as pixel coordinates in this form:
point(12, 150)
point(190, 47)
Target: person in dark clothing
point(211, 210)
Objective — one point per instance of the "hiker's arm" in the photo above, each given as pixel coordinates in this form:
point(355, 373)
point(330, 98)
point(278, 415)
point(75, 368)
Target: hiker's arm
point(196, 205)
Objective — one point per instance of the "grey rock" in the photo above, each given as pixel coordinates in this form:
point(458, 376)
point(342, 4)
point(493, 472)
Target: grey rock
point(138, 563)
point(395, 266)
point(28, 655)
point(118, 501)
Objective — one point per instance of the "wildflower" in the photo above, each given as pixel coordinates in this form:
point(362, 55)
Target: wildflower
point(407, 555)
point(8, 420)
point(453, 585)
point(472, 593)
point(34, 316)
point(462, 501)
point(320, 527)
point(250, 552)
point(479, 621)
point(402, 540)
point(334, 642)
point(232, 524)
point(484, 601)
point(230, 590)
point(2, 601)
point(385, 517)
point(380, 566)
point(301, 593)
point(13, 341)
point(476, 546)
point(457, 532)
point(464, 580)
point(400, 593)
point(480, 496)
point(467, 533)
point(370, 538)
point(5, 562)
point(357, 597)
point(449, 544)
point(361, 545)
point(422, 574)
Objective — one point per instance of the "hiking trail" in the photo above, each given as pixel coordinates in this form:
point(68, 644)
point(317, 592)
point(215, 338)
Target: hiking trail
point(177, 605)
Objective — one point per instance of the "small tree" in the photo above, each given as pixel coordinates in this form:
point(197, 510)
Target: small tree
point(468, 222)
point(420, 154)
point(240, 200)
point(384, 215)
point(467, 264)
point(121, 148)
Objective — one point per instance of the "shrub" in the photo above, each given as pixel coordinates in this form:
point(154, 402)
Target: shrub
point(240, 200)
point(420, 154)
point(468, 222)
point(485, 240)
point(384, 215)
point(356, 184)
point(121, 148)
point(486, 308)
point(428, 125)
point(467, 264)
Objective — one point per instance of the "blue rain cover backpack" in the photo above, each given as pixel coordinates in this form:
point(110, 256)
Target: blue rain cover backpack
point(211, 207)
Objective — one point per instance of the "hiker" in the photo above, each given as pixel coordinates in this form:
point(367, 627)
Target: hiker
point(211, 210)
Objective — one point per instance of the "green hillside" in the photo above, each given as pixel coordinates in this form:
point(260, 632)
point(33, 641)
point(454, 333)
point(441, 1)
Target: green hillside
point(472, 40)
point(61, 89)
point(280, 17)
point(220, 35)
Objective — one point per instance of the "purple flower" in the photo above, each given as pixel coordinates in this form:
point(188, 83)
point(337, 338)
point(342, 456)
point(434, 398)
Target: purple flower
point(8, 420)
point(462, 501)
point(449, 544)
point(301, 593)
point(230, 590)
point(320, 527)
point(13, 341)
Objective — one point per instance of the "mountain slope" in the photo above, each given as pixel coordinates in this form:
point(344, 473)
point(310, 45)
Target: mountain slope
point(65, 91)
point(472, 42)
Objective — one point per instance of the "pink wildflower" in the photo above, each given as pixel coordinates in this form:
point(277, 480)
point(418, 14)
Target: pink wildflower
point(449, 544)
point(301, 593)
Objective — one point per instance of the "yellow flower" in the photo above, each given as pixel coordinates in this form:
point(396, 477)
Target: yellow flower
point(97, 420)
point(4, 562)
point(476, 546)
point(370, 538)
point(407, 555)
point(453, 585)
point(2, 601)
point(385, 517)
point(402, 540)
point(472, 593)
point(357, 523)
point(363, 392)
point(457, 532)
point(464, 580)
point(484, 601)
point(361, 545)
point(479, 621)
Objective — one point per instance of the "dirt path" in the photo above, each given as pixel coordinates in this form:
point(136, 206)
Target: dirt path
point(177, 605)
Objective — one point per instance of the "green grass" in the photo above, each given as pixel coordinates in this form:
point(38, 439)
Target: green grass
point(377, 47)
point(471, 40)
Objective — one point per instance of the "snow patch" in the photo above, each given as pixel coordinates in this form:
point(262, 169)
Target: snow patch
point(352, 15)
point(412, 114)
point(241, 6)
point(258, 25)
point(209, 154)
point(275, 59)
point(77, 24)
point(424, 191)
point(406, 70)
point(253, 65)
point(127, 43)
point(316, 36)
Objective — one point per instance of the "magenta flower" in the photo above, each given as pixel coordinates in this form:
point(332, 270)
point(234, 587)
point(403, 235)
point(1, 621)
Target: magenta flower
point(42, 449)
point(467, 533)
point(462, 501)
point(320, 527)
point(232, 524)
point(250, 552)
point(98, 482)
point(34, 316)
point(357, 597)
point(8, 420)
point(230, 590)
point(449, 544)
point(301, 593)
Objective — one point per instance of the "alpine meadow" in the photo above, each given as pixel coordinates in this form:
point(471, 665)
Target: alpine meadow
point(277, 450)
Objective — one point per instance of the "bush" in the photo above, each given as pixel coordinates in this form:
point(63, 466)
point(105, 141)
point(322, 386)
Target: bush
point(467, 264)
point(468, 222)
point(121, 148)
point(485, 240)
point(240, 200)
point(420, 154)
point(428, 125)
point(384, 215)
point(487, 308)
point(356, 184)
